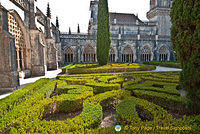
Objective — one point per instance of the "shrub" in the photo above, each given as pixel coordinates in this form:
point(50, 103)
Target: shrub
point(92, 114)
point(74, 89)
point(109, 68)
point(173, 64)
point(106, 98)
point(103, 87)
point(76, 81)
point(10, 102)
point(167, 88)
point(171, 102)
point(126, 112)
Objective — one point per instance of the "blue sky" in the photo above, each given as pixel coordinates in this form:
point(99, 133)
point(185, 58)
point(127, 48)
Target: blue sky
point(74, 12)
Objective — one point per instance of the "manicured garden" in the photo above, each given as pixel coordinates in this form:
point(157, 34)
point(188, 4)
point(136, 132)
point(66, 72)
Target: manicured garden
point(141, 102)
point(109, 68)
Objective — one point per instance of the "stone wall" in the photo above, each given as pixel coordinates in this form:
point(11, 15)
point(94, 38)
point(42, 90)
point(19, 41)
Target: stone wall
point(9, 80)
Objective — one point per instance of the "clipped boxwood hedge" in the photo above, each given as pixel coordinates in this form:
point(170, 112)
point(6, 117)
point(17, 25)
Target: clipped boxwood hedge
point(173, 64)
point(109, 68)
point(161, 87)
point(103, 87)
point(9, 103)
point(172, 102)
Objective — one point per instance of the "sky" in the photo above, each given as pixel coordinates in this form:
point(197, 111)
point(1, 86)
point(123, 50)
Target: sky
point(74, 12)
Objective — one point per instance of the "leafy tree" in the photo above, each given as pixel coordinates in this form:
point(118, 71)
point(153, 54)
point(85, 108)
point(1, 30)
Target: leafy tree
point(103, 33)
point(185, 36)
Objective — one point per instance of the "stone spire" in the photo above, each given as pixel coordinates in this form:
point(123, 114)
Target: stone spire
point(48, 11)
point(70, 31)
point(57, 22)
point(78, 29)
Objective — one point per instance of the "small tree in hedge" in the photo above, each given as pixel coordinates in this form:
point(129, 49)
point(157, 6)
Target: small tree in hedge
point(103, 33)
point(185, 36)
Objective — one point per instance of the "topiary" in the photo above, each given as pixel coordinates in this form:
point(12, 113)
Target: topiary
point(185, 36)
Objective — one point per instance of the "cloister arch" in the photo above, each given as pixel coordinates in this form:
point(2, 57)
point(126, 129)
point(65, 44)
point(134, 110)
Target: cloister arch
point(128, 54)
point(146, 53)
point(112, 57)
point(69, 54)
point(163, 53)
point(89, 54)
point(22, 41)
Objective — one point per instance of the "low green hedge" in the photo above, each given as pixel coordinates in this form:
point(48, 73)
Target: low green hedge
point(151, 86)
point(160, 122)
point(92, 114)
point(9, 103)
point(110, 68)
point(103, 87)
point(173, 64)
point(64, 69)
point(73, 89)
point(73, 99)
point(126, 112)
point(26, 108)
point(161, 79)
point(105, 98)
point(171, 102)
point(76, 81)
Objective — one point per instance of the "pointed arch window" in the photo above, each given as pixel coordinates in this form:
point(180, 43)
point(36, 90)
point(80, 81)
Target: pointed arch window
point(69, 55)
point(128, 55)
point(163, 53)
point(112, 55)
point(89, 54)
point(146, 54)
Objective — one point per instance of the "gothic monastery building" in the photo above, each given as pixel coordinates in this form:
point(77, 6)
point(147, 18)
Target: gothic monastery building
point(29, 43)
point(133, 40)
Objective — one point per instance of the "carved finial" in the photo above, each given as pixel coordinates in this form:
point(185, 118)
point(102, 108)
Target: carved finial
point(48, 11)
point(78, 29)
point(57, 22)
point(70, 31)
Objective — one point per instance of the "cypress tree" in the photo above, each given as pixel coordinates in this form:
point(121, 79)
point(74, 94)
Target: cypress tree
point(103, 33)
point(185, 36)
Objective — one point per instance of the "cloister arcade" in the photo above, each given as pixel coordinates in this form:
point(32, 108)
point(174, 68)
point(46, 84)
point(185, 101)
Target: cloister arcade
point(163, 53)
point(69, 55)
point(112, 57)
point(128, 54)
point(146, 53)
point(89, 54)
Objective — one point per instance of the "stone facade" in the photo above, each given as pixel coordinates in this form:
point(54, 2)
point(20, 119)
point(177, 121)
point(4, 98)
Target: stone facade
point(133, 40)
point(28, 47)
point(9, 80)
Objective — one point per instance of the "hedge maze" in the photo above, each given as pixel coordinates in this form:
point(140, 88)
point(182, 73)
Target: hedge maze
point(144, 102)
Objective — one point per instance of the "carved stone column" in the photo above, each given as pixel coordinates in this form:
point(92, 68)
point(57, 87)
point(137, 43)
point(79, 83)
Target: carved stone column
point(18, 59)
point(22, 58)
